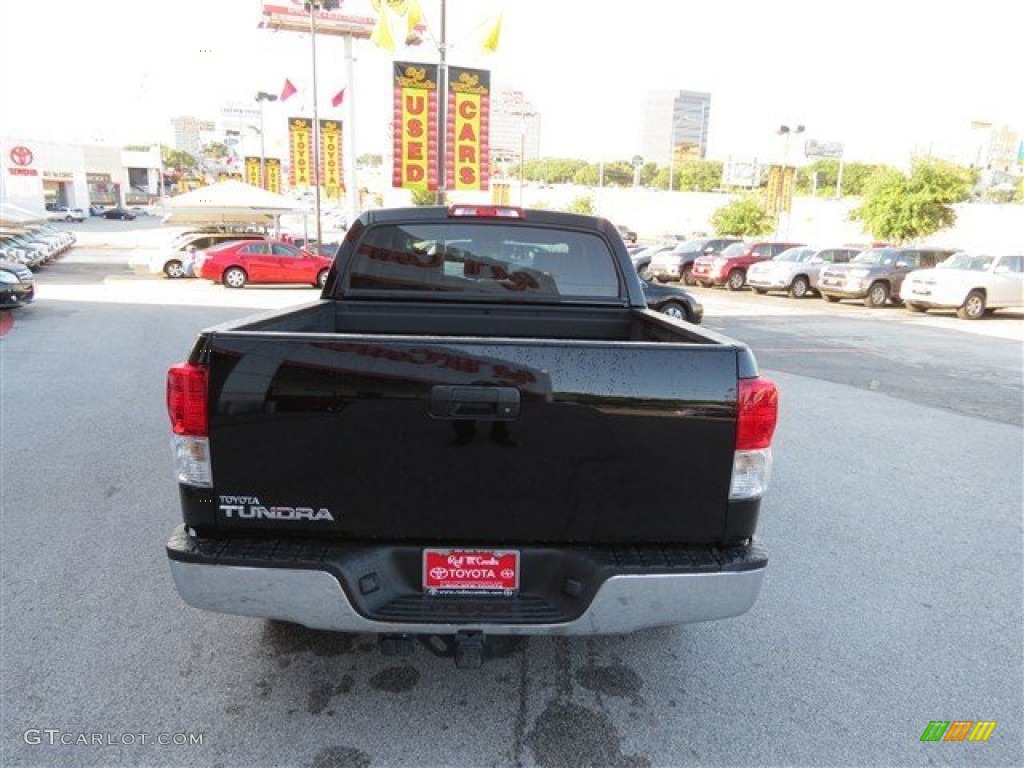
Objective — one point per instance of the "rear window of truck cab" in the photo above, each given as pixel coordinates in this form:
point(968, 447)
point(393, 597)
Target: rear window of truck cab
point(483, 259)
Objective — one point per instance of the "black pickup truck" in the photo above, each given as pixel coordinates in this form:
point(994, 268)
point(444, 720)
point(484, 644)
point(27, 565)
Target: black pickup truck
point(478, 429)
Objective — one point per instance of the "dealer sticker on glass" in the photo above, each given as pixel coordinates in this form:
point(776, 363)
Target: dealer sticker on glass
point(470, 572)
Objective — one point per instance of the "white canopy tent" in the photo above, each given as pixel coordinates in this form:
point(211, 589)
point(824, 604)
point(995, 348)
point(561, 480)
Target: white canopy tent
point(230, 202)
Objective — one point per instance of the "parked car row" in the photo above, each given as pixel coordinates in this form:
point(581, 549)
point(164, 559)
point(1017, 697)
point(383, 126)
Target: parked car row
point(923, 278)
point(34, 245)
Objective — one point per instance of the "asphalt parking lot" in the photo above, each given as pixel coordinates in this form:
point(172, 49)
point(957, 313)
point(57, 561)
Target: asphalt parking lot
point(893, 596)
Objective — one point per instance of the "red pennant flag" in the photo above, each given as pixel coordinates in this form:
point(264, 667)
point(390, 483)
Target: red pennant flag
point(289, 90)
point(338, 98)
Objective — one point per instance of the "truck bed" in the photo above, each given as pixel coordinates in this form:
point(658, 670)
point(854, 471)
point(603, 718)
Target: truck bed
point(567, 321)
point(344, 406)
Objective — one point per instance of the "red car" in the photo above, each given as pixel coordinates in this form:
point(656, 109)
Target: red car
point(240, 262)
point(729, 268)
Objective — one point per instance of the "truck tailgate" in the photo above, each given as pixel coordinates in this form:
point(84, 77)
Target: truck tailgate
point(457, 440)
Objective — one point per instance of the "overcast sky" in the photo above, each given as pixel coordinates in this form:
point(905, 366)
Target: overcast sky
point(884, 77)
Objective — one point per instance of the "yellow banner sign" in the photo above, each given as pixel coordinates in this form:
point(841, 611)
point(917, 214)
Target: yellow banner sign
point(467, 154)
point(330, 156)
point(252, 171)
point(273, 168)
point(300, 146)
point(415, 163)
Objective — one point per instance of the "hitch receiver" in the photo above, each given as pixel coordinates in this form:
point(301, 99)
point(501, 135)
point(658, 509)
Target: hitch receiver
point(469, 649)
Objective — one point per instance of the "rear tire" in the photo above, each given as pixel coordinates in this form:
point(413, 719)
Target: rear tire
point(688, 275)
point(973, 307)
point(799, 288)
point(174, 269)
point(321, 279)
point(235, 277)
point(736, 280)
point(877, 295)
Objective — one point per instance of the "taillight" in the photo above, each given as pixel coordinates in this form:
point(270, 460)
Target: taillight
point(186, 405)
point(486, 211)
point(186, 400)
point(757, 413)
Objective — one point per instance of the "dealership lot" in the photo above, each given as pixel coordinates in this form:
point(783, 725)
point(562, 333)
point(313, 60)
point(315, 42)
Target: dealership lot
point(893, 597)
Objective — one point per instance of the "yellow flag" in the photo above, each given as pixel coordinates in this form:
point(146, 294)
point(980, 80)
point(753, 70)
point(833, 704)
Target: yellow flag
point(490, 44)
point(381, 35)
point(398, 6)
point(413, 17)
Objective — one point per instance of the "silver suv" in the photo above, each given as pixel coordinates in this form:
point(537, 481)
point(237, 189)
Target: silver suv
point(876, 275)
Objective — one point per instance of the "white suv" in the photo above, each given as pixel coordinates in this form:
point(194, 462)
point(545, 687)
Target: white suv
point(63, 213)
point(972, 285)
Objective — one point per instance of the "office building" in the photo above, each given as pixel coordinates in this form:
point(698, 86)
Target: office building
point(515, 128)
point(675, 119)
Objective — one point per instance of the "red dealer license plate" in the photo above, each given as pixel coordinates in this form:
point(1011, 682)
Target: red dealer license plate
point(470, 572)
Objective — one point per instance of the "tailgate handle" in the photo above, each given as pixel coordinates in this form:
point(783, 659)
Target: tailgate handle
point(481, 403)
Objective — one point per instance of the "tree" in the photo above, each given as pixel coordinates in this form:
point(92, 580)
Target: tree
point(900, 207)
point(178, 159)
point(691, 175)
point(424, 197)
point(742, 217)
point(216, 150)
point(584, 205)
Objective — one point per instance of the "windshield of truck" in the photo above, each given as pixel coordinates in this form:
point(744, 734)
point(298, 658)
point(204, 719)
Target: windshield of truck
point(878, 257)
point(472, 258)
point(966, 261)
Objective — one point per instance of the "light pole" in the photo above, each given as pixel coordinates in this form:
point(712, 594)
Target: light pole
point(672, 154)
point(313, 6)
point(523, 114)
point(261, 97)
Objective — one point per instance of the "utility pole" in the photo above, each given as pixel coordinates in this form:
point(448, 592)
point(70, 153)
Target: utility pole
point(261, 97)
point(442, 105)
point(313, 7)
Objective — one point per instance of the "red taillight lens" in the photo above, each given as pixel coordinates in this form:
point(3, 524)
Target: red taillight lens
point(186, 399)
point(757, 414)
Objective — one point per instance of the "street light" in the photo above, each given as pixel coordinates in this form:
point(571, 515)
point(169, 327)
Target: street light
point(523, 114)
point(313, 6)
point(261, 97)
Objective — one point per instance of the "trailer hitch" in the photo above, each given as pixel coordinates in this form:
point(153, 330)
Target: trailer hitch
point(467, 647)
